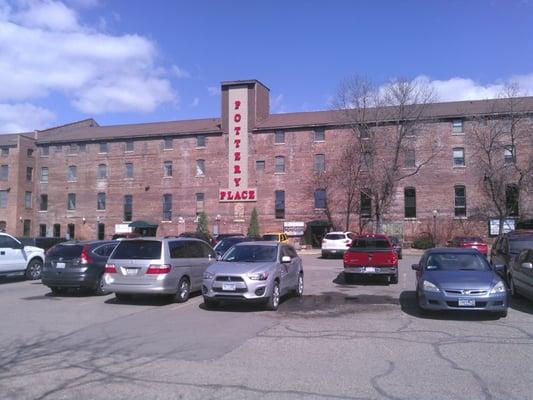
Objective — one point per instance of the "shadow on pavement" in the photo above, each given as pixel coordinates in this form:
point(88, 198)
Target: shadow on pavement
point(146, 300)
point(521, 304)
point(12, 279)
point(340, 279)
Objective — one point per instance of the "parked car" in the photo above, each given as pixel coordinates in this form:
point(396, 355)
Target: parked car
point(221, 236)
point(520, 275)
point(276, 237)
point(397, 245)
point(507, 246)
point(254, 272)
point(16, 259)
point(202, 236)
point(226, 243)
point(335, 243)
point(469, 242)
point(158, 266)
point(459, 279)
point(371, 255)
point(76, 264)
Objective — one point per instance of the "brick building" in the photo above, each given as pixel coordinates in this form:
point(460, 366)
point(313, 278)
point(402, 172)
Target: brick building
point(89, 180)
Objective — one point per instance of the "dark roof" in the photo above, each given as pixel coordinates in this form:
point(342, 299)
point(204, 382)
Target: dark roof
point(143, 224)
point(11, 139)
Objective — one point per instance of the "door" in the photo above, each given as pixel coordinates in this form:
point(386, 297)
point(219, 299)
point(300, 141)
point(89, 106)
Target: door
point(527, 274)
point(186, 260)
point(287, 270)
point(12, 256)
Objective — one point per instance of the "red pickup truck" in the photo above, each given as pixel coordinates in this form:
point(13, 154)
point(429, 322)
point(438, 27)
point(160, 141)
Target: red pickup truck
point(371, 255)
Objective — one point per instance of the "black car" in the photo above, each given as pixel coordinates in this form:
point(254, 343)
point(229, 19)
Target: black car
point(76, 264)
point(206, 237)
point(227, 242)
point(507, 247)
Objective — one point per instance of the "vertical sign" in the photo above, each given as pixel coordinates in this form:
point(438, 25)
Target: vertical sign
point(238, 189)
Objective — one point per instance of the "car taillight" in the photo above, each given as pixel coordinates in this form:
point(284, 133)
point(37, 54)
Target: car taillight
point(158, 269)
point(110, 269)
point(84, 257)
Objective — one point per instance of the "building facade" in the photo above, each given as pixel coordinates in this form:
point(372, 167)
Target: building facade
point(86, 181)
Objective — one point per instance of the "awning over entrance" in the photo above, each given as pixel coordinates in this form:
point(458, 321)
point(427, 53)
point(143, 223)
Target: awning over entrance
point(140, 224)
point(318, 222)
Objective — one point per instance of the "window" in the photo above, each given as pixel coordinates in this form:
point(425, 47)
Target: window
point(72, 173)
point(457, 126)
point(167, 143)
point(29, 174)
point(102, 171)
point(29, 152)
point(5, 151)
point(199, 203)
point(200, 141)
point(57, 230)
point(100, 201)
point(42, 230)
point(509, 156)
point(366, 205)
point(43, 202)
point(3, 198)
point(167, 207)
point(103, 147)
point(28, 200)
point(279, 137)
point(167, 168)
point(71, 201)
point(279, 204)
point(73, 148)
point(320, 163)
point(101, 231)
point(70, 231)
point(128, 171)
point(58, 148)
point(460, 201)
point(128, 207)
point(128, 145)
point(410, 161)
point(26, 228)
point(366, 162)
point(82, 147)
point(409, 195)
point(44, 174)
point(260, 165)
point(4, 172)
point(200, 167)
point(320, 135)
point(511, 200)
point(45, 151)
point(280, 164)
point(320, 199)
point(3, 226)
point(458, 157)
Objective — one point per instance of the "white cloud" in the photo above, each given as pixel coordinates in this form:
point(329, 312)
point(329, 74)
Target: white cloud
point(276, 104)
point(180, 72)
point(45, 50)
point(24, 118)
point(195, 102)
point(213, 90)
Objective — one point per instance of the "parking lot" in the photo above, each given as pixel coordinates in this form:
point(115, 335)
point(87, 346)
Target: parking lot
point(360, 341)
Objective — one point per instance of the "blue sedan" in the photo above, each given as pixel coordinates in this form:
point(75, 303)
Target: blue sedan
point(459, 279)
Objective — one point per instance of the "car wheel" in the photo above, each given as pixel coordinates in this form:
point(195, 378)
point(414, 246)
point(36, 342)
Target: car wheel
point(300, 287)
point(33, 271)
point(184, 290)
point(123, 296)
point(210, 303)
point(502, 314)
point(273, 300)
point(100, 291)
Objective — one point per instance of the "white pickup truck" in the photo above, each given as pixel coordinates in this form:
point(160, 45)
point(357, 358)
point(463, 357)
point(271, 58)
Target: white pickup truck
point(17, 259)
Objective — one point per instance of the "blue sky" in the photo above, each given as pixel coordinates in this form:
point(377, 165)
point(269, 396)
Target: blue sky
point(138, 61)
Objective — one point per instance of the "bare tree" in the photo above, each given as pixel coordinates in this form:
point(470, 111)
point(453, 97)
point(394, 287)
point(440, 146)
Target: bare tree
point(501, 143)
point(386, 122)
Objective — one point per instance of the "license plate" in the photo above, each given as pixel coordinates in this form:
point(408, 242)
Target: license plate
point(466, 303)
point(60, 265)
point(228, 286)
point(131, 271)
point(370, 269)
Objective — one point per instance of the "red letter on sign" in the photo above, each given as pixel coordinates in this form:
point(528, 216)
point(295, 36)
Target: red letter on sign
point(252, 194)
point(237, 118)
point(237, 155)
point(238, 195)
point(237, 104)
point(222, 195)
point(237, 181)
point(245, 195)
point(237, 143)
point(236, 169)
point(230, 195)
point(237, 130)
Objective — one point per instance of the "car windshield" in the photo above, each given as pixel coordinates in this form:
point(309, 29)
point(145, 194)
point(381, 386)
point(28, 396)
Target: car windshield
point(335, 236)
point(271, 237)
point(370, 243)
point(225, 244)
point(251, 253)
point(138, 249)
point(516, 246)
point(456, 262)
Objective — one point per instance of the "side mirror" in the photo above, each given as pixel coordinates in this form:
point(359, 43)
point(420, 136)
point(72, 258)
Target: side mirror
point(415, 267)
point(527, 265)
point(285, 259)
point(499, 267)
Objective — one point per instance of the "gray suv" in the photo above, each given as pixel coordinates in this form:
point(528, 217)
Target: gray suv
point(158, 266)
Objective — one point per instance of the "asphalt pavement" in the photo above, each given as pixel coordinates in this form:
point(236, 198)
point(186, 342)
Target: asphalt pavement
point(357, 341)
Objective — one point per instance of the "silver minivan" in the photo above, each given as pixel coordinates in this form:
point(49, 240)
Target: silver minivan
point(158, 266)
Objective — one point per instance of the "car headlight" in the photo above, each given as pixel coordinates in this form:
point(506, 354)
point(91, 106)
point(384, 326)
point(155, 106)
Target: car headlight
point(260, 276)
point(208, 275)
point(429, 287)
point(498, 288)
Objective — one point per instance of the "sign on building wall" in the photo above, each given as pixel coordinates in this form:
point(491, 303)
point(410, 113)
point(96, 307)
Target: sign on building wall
point(494, 226)
point(238, 190)
point(294, 228)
